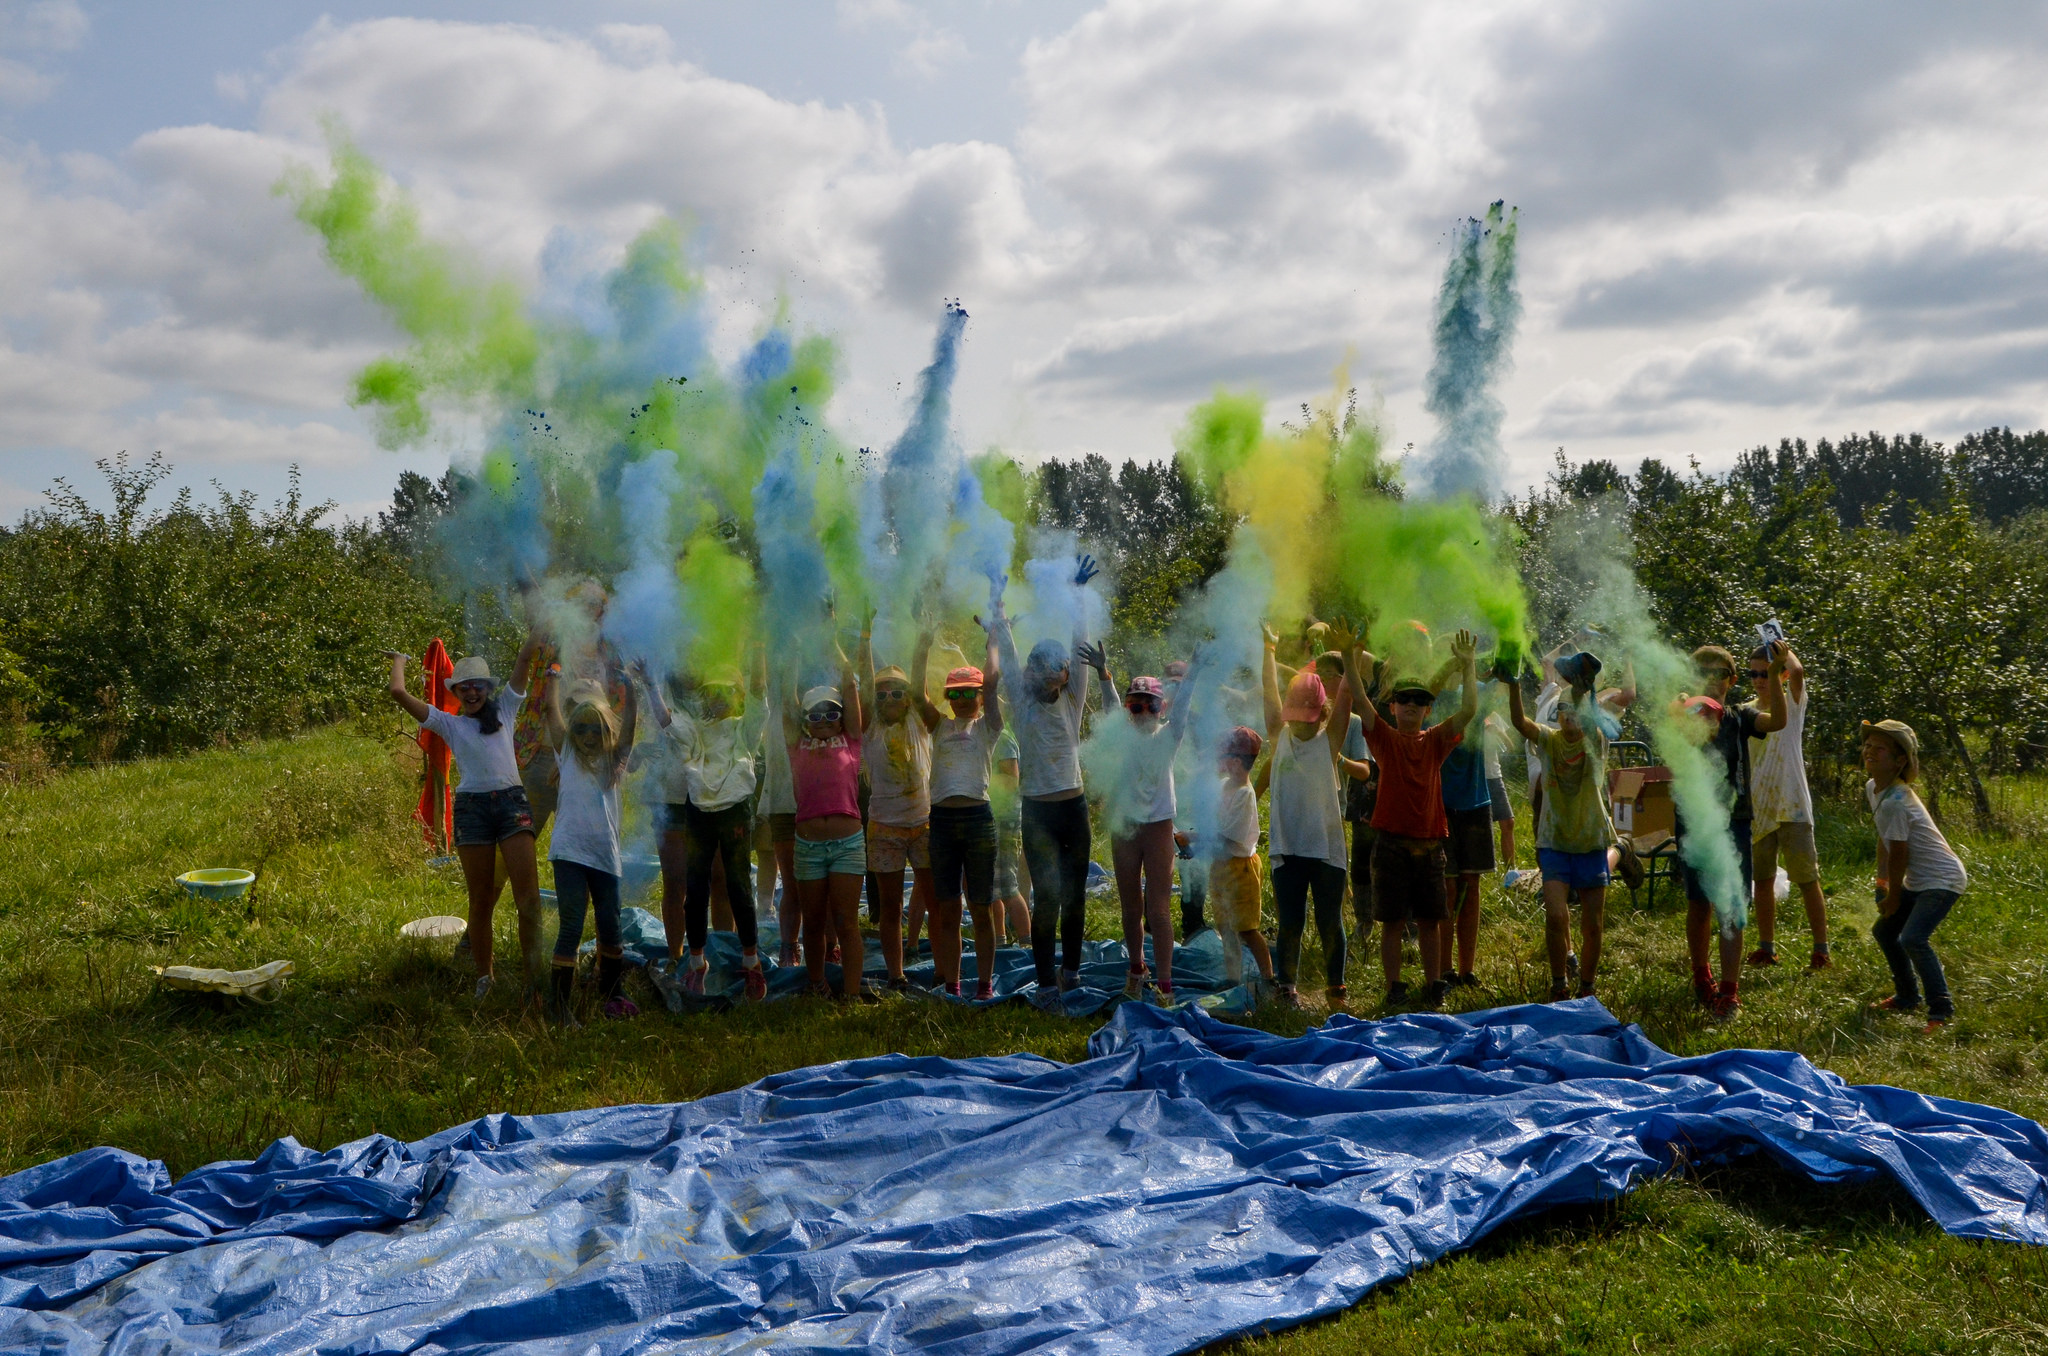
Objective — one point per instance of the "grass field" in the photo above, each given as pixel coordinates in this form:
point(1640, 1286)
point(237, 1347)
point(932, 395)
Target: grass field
point(377, 1034)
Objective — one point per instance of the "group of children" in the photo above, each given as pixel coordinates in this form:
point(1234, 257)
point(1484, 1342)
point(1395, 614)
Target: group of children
point(843, 789)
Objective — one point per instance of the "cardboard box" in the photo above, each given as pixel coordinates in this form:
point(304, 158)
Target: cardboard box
point(1640, 798)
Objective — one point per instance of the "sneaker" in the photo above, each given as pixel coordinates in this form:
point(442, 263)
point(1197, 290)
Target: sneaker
point(693, 979)
point(1336, 997)
point(1703, 987)
point(1163, 995)
point(1433, 996)
point(1559, 991)
point(756, 982)
point(1629, 862)
point(483, 988)
point(1397, 992)
point(984, 991)
point(1047, 1000)
point(820, 990)
point(953, 989)
point(621, 1008)
point(1934, 1024)
point(1507, 882)
point(1466, 980)
point(899, 984)
point(786, 957)
point(1894, 1005)
point(1726, 1005)
point(1070, 980)
point(1763, 955)
point(1586, 990)
point(1571, 966)
point(1821, 961)
point(1134, 982)
point(833, 956)
point(1289, 996)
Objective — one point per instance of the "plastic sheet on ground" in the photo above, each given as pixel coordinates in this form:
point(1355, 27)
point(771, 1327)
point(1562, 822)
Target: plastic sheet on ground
point(1198, 974)
point(1191, 1180)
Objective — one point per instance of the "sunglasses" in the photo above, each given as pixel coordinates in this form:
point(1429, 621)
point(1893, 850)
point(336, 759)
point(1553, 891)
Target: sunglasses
point(1141, 703)
point(822, 715)
point(1758, 675)
point(893, 694)
point(1410, 699)
point(1717, 672)
point(587, 730)
point(962, 694)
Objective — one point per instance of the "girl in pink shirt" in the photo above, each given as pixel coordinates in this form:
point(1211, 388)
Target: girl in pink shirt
point(824, 731)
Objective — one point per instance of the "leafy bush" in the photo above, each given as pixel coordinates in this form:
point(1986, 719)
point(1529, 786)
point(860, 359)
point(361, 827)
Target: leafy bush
point(137, 632)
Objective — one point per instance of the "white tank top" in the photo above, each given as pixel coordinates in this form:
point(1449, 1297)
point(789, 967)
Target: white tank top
point(1305, 813)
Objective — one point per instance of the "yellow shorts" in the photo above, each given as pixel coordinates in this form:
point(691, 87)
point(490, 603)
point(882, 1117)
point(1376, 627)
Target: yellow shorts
point(1792, 846)
point(1234, 887)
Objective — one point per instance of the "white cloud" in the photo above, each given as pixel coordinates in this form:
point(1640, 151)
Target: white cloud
point(30, 33)
point(1737, 222)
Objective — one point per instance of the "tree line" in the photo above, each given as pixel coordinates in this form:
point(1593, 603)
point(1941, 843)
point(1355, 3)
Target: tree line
point(1909, 572)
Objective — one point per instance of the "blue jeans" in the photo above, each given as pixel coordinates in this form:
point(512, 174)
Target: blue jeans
point(576, 886)
point(1904, 937)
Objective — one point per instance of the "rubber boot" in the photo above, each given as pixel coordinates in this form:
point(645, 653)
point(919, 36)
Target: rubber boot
point(562, 988)
point(610, 971)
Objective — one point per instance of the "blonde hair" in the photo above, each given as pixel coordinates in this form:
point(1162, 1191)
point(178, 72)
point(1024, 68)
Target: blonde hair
point(588, 700)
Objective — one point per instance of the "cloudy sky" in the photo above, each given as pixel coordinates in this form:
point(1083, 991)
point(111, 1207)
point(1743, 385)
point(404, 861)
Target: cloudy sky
point(1739, 221)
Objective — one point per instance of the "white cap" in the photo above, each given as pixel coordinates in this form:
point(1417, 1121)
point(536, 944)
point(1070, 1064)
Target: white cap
point(818, 696)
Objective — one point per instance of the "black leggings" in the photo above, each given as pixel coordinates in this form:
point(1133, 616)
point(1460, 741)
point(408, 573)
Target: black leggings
point(964, 853)
point(1056, 850)
point(1294, 879)
point(708, 833)
point(576, 886)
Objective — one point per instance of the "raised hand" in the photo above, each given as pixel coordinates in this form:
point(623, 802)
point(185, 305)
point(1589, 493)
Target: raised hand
point(1095, 657)
point(1272, 636)
point(1085, 569)
point(1463, 647)
point(1341, 636)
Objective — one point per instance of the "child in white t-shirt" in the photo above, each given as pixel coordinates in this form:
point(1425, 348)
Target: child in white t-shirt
point(1919, 877)
point(1234, 878)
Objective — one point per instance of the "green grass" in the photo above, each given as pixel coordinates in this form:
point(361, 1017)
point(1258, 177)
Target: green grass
point(376, 1034)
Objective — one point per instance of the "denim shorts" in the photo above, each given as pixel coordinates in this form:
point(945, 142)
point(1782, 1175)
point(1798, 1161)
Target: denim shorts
point(487, 818)
point(1579, 870)
point(819, 858)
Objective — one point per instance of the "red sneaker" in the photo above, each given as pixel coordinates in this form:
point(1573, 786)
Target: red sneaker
point(756, 982)
point(984, 991)
point(1762, 957)
point(1934, 1024)
point(1703, 987)
point(1726, 1003)
point(1821, 961)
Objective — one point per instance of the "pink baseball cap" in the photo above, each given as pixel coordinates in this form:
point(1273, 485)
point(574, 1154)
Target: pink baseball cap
point(1145, 687)
point(1243, 742)
point(965, 676)
point(1306, 698)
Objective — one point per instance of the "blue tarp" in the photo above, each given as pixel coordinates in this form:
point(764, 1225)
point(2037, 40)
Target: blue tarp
point(1198, 974)
point(1191, 1180)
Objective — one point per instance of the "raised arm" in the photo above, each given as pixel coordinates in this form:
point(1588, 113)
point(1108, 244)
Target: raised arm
point(1270, 688)
point(865, 657)
point(1517, 717)
point(1338, 728)
point(1097, 658)
point(1772, 717)
point(1085, 569)
point(992, 684)
point(1463, 648)
point(551, 715)
point(1360, 661)
point(920, 668)
point(1795, 676)
point(1184, 698)
point(656, 701)
point(411, 705)
point(854, 717)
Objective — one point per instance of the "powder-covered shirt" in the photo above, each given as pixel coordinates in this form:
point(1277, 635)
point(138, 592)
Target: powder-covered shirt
point(720, 769)
point(899, 763)
point(1048, 733)
point(1931, 864)
point(778, 792)
point(1304, 817)
point(963, 754)
point(1411, 795)
point(603, 665)
point(586, 816)
point(484, 762)
point(1574, 817)
point(1237, 821)
point(1002, 796)
point(1143, 789)
point(826, 775)
point(1778, 793)
point(1547, 698)
point(1464, 770)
